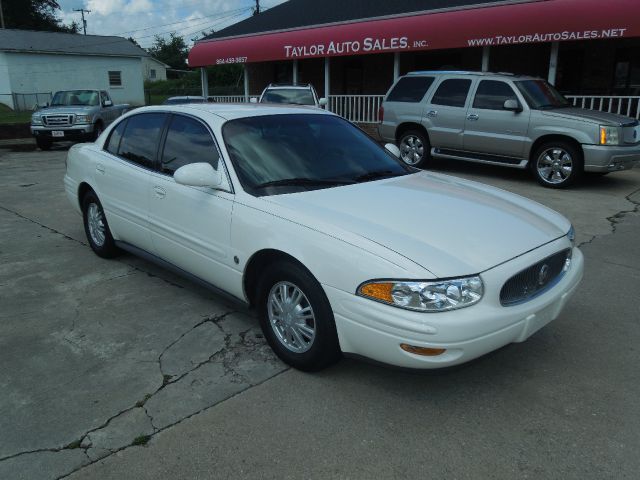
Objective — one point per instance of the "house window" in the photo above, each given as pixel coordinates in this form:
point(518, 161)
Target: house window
point(115, 78)
point(152, 73)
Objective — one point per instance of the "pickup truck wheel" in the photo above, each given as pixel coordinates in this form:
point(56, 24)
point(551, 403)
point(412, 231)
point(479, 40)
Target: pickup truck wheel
point(557, 164)
point(97, 130)
point(296, 318)
point(415, 149)
point(43, 143)
point(96, 227)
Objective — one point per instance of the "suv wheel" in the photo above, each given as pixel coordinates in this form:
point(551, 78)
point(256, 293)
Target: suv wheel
point(414, 148)
point(557, 164)
point(296, 318)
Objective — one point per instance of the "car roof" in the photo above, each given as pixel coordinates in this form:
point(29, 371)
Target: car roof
point(187, 97)
point(467, 72)
point(232, 111)
point(276, 86)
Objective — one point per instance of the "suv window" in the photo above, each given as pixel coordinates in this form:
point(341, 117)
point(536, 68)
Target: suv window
point(141, 137)
point(188, 141)
point(114, 138)
point(410, 89)
point(452, 92)
point(491, 95)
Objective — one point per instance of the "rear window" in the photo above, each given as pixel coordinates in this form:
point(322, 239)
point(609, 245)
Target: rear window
point(410, 89)
point(295, 96)
point(452, 92)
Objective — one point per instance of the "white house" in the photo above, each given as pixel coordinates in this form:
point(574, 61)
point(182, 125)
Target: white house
point(153, 69)
point(34, 62)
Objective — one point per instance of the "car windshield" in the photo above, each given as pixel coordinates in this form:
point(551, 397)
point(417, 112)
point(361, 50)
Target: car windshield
point(275, 154)
point(540, 95)
point(296, 96)
point(75, 97)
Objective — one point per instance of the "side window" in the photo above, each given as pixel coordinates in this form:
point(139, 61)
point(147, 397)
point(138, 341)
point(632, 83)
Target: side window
point(114, 138)
point(188, 141)
point(104, 96)
point(452, 92)
point(410, 89)
point(491, 95)
point(141, 137)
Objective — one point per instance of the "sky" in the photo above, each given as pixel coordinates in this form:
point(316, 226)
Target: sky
point(142, 19)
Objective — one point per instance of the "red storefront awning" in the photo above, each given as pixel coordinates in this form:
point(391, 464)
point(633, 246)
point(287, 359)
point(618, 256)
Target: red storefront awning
point(537, 21)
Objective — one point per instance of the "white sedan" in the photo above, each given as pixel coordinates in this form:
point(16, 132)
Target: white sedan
point(339, 246)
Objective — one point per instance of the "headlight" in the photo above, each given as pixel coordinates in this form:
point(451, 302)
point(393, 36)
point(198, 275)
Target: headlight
point(36, 119)
point(83, 119)
point(609, 136)
point(426, 296)
point(571, 235)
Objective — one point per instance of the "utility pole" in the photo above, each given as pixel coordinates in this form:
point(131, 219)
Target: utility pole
point(256, 10)
point(84, 22)
point(1, 15)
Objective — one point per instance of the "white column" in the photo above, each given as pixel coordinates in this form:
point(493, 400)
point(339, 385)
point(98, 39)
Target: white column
point(553, 63)
point(396, 66)
point(204, 80)
point(246, 83)
point(327, 79)
point(485, 58)
point(295, 72)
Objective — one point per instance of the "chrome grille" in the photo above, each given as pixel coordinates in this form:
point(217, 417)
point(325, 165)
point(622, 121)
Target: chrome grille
point(58, 120)
point(534, 280)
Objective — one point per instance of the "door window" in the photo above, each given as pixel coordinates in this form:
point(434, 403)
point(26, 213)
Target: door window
point(492, 94)
point(188, 141)
point(141, 137)
point(104, 96)
point(410, 89)
point(452, 92)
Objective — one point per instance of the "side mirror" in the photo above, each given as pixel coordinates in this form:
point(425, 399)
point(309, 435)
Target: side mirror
point(392, 149)
point(108, 103)
point(512, 105)
point(322, 102)
point(253, 100)
point(199, 174)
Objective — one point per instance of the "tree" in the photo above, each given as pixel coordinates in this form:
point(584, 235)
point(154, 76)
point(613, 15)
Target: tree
point(35, 15)
point(133, 40)
point(173, 51)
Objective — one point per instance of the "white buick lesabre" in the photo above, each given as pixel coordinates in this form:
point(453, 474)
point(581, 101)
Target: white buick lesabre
point(339, 246)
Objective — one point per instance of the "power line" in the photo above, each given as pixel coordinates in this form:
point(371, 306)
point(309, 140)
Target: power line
point(84, 22)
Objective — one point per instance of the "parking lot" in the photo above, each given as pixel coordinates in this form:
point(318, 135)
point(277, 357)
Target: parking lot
point(120, 369)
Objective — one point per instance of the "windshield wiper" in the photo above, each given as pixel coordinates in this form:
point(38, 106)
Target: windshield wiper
point(295, 182)
point(376, 174)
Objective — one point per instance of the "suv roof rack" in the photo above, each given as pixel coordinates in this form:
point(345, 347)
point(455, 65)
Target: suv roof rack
point(458, 72)
point(302, 85)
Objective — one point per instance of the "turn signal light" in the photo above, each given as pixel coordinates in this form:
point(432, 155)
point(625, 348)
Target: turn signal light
point(379, 291)
point(424, 351)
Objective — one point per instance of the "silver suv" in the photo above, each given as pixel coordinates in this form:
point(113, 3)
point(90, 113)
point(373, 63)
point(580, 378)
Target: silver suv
point(503, 119)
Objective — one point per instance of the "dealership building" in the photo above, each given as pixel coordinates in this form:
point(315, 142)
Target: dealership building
point(352, 51)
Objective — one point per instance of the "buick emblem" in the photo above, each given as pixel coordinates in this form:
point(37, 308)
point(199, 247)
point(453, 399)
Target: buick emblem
point(543, 274)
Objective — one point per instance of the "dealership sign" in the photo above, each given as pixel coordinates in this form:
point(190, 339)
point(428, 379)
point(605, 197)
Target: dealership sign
point(517, 23)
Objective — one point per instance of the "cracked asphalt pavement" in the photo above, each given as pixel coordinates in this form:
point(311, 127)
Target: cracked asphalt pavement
point(120, 369)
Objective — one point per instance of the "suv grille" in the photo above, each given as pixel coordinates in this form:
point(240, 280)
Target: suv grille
point(57, 120)
point(534, 280)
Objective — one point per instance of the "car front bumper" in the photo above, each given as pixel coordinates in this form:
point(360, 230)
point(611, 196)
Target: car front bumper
point(610, 158)
point(376, 330)
point(73, 132)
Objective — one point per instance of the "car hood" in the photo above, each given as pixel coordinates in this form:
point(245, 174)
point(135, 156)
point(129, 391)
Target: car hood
point(601, 118)
point(449, 226)
point(66, 109)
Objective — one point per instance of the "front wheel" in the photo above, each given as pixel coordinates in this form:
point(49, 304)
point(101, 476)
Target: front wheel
point(557, 164)
point(43, 143)
point(415, 149)
point(296, 318)
point(97, 131)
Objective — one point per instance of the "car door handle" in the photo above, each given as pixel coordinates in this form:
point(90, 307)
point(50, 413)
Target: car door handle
point(100, 168)
point(432, 113)
point(159, 191)
point(472, 116)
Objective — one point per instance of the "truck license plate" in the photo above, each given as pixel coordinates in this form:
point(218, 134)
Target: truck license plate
point(57, 133)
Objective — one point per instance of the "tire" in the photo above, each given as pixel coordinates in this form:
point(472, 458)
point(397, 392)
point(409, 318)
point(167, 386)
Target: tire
point(97, 130)
point(415, 149)
point(43, 143)
point(315, 345)
point(96, 227)
point(557, 164)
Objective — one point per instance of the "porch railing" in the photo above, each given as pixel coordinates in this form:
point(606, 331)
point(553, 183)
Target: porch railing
point(623, 105)
point(356, 108)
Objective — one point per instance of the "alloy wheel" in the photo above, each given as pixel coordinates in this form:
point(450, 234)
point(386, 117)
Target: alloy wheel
point(411, 150)
point(95, 223)
point(291, 317)
point(554, 165)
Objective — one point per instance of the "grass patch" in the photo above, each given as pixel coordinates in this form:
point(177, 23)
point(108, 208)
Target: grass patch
point(141, 440)
point(73, 445)
point(141, 403)
point(9, 116)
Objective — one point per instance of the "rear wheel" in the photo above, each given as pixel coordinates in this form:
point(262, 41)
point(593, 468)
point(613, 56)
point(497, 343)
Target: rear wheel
point(557, 164)
point(296, 318)
point(96, 227)
point(415, 149)
point(43, 143)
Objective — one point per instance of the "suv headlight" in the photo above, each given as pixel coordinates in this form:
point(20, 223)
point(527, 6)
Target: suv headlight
point(609, 136)
point(36, 119)
point(83, 119)
point(425, 296)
